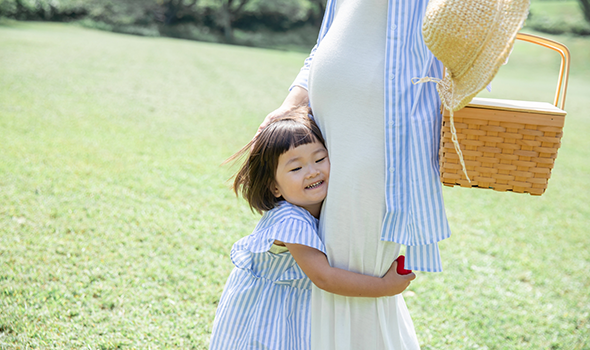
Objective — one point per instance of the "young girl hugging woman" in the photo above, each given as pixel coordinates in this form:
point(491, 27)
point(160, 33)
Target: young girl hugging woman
point(266, 300)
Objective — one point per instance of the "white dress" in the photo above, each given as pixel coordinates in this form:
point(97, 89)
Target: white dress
point(346, 89)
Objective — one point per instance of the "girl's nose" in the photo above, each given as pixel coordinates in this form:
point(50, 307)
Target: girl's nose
point(313, 172)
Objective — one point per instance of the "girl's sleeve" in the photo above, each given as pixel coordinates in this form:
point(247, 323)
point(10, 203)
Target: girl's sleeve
point(288, 230)
point(295, 231)
point(286, 223)
point(302, 77)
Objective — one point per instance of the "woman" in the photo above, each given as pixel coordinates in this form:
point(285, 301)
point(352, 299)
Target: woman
point(382, 134)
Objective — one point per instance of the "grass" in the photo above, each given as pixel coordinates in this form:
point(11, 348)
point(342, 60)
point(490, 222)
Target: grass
point(116, 219)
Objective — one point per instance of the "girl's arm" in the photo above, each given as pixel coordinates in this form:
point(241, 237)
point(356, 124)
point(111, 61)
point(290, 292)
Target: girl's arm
point(334, 280)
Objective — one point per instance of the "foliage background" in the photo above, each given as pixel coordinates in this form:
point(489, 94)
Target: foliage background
point(282, 24)
point(267, 23)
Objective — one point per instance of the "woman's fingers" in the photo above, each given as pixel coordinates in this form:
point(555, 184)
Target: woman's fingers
point(277, 113)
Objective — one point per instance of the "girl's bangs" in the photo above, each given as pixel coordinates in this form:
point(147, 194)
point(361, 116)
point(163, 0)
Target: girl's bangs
point(301, 136)
point(292, 134)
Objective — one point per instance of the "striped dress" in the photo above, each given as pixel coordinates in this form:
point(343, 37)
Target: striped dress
point(265, 302)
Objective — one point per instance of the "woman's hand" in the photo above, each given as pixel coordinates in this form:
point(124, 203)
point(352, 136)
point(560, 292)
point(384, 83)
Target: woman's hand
point(395, 282)
point(277, 113)
point(298, 96)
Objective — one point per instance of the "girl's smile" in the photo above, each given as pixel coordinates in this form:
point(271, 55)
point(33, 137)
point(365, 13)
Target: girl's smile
point(302, 176)
point(315, 185)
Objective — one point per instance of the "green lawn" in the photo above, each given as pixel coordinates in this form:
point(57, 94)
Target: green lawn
point(116, 217)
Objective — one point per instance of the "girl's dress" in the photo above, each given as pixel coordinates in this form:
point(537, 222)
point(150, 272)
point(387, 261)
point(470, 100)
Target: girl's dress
point(266, 301)
point(346, 89)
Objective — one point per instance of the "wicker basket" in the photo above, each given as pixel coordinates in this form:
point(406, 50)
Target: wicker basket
point(507, 145)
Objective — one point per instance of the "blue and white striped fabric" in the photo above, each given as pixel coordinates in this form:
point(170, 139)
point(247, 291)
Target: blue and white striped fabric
point(265, 302)
point(415, 213)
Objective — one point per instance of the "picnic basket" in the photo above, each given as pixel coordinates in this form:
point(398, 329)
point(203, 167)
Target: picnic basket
point(507, 145)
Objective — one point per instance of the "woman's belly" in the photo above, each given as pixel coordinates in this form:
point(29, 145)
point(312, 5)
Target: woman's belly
point(346, 84)
point(346, 90)
point(348, 65)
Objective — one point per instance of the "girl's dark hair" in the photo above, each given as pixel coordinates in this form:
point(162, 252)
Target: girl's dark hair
point(257, 174)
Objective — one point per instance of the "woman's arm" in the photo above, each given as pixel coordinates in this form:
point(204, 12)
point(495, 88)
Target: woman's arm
point(298, 91)
point(334, 280)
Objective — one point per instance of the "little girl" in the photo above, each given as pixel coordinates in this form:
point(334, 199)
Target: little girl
point(265, 303)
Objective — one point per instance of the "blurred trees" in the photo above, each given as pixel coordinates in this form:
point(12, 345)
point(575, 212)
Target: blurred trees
point(585, 5)
point(228, 12)
point(170, 11)
point(211, 20)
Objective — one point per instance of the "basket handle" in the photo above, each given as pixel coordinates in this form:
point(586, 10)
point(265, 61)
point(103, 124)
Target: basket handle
point(564, 69)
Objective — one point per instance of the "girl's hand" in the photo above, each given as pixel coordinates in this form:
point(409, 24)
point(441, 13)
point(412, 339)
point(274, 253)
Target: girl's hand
point(395, 282)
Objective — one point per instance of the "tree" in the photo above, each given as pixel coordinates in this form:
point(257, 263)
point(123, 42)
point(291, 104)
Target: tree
point(585, 5)
point(317, 15)
point(228, 10)
point(170, 11)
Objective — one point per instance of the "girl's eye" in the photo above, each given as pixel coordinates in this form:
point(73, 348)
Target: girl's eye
point(296, 169)
point(319, 160)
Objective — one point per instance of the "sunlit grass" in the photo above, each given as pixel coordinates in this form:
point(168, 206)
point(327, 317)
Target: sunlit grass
point(116, 219)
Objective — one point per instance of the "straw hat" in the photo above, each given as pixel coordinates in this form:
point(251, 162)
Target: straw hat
point(472, 38)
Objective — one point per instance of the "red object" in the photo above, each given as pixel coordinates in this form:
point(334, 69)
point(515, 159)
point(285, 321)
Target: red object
point(400, 266)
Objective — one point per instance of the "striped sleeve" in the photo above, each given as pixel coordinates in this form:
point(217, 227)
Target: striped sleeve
point(286, 223)
point(295, 231)
point(415, 214)
point(423, 258)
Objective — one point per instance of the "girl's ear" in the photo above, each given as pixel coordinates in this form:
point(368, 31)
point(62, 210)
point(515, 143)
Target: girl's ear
point(275, 190)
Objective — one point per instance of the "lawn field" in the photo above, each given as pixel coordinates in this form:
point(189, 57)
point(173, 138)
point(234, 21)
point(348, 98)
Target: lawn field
point(116, 217)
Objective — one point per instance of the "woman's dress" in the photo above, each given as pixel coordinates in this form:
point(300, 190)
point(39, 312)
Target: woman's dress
point(346, 89)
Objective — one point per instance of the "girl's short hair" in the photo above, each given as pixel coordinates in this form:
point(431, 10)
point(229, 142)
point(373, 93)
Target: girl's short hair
point(256, 176)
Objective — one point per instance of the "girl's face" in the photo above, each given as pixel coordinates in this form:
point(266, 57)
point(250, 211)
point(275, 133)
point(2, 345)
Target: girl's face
point(302, 176)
